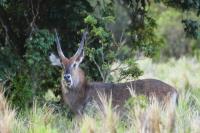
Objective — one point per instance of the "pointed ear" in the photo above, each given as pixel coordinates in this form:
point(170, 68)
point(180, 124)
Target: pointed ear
point(55, 61)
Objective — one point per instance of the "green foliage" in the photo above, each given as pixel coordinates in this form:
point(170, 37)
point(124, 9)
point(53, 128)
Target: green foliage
point(136, 101)
point(132, 71)
point(145, 39)
point(38, 47)
point(21, 93)
point(90, 20)
point(103, 52)
point(191, 28)
point(185, 5)
point(98, 44)
point(25, 46)
point(33, 76)
point(103, 47)
point(7, 62)
point(170, 27)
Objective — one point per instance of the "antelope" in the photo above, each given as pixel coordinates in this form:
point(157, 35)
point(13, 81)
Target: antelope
point(77, 91)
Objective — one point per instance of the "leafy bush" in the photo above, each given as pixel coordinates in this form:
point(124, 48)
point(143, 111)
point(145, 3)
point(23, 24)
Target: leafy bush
point(21, 92)
point(36, 58)
point(33, 76)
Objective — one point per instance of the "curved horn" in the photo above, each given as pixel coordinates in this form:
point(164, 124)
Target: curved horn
point(62, 56)
point(80, 49)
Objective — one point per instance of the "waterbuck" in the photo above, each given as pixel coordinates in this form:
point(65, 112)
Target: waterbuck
point(77, 91)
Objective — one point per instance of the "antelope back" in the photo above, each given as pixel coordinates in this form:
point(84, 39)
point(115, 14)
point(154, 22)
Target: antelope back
point(123, 91)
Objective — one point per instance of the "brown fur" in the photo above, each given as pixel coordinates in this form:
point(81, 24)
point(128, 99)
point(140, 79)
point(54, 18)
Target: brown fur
point(77, 98)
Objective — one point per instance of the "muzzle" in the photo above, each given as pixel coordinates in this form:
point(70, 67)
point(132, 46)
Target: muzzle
point(68, 79)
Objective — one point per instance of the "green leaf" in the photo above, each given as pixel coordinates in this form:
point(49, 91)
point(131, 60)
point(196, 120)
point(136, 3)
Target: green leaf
point(90, 20)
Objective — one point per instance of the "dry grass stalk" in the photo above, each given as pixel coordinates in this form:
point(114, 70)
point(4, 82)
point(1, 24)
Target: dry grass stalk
point(171, 115)
point(7, 115)
point(153, 124)
point(88, 125)
point(109, 116)
point(195, 122)
point(40, 117)
point(151, 119)
point(138, 120)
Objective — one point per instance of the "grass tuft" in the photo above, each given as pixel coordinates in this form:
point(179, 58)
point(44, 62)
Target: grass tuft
point(7, 115)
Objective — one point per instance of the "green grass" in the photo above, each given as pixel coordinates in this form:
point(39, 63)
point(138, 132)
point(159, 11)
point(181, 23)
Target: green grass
point(140, 116)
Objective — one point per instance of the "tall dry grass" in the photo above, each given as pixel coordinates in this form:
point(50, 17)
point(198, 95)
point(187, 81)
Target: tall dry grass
point(154, 118)
point(7, 114)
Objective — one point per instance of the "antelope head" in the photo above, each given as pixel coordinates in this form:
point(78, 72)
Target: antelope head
point(73, 75)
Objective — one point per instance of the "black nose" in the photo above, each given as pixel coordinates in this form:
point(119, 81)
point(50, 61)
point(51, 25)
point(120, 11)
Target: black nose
point(67, 77)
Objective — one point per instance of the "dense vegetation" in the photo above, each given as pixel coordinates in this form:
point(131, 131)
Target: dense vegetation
point(121, 32)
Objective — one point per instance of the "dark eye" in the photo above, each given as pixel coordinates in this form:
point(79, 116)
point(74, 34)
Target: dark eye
point(74, 65)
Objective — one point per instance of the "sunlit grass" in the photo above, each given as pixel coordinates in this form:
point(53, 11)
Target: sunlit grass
point(182, 73)
point(152, 118)
point(7, 115)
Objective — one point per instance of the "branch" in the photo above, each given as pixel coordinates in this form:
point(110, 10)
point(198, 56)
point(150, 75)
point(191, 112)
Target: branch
point(120, 78)
point(10, 35)
point(112, 70)
point(6, 25)
point(35, 14)
point(107, 75)
point(99, 69)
